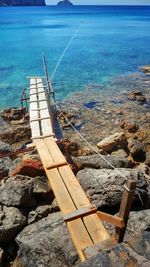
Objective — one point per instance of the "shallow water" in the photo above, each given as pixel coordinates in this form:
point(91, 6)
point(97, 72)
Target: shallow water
point(112, 41)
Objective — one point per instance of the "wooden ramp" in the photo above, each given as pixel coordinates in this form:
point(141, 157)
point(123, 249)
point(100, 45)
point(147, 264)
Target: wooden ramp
point(81, 217)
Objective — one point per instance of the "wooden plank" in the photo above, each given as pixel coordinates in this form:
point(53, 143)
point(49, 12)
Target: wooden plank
point(111, 219)
point(78, 232)
point(92, 222)
point(35, 129)
point(46, 124)
point(125, 207)
point(54, 150)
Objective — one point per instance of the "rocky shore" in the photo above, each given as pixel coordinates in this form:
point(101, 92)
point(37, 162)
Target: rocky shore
point(32, 231)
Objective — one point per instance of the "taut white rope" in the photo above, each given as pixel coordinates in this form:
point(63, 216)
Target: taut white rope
point(64, 51)
point(81, 136)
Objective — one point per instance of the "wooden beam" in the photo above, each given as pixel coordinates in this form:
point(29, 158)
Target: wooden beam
point(111, 219)
point(37, 92)
point(125, 207)
point(40, 119)
point(80, 213)
point(37, 101)
point(43, 136)
point(57, 165)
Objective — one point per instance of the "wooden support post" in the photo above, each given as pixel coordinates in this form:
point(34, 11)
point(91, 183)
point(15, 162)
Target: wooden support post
point(125, 207)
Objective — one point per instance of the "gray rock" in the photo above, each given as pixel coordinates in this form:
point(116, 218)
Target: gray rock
point(119, 154)
point(2, 257)
point(138, 222)
point(4, 147)
point(5, 165)
point(11, 222)
point(105, 187)
point(17, 191)
point(121, 255)
point(38, 213)
point(147, 162)
point(25, 191)
point(96, 162)
point(141, 243)
point(113, 142)
point(13, 134)
point(41, 185)
point(136, 149)
point(46, 243)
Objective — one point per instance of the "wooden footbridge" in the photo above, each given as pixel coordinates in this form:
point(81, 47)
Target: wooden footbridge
point(82, 219)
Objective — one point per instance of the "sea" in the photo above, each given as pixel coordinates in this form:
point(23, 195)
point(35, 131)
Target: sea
point(100, 43)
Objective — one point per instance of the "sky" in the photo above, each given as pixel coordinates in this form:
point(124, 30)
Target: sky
point(103, 2)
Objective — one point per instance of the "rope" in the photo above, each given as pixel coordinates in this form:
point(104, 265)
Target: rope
point(64, 51)
point(101, 156)
point(84, 139)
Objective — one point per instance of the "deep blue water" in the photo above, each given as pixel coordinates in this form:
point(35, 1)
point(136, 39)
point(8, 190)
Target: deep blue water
point(112, 41)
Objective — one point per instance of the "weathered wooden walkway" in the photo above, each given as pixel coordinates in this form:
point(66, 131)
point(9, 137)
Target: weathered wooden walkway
point(82, 219)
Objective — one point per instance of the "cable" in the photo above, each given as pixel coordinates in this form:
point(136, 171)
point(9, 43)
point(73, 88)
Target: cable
point(64, 51)
point(82, 137)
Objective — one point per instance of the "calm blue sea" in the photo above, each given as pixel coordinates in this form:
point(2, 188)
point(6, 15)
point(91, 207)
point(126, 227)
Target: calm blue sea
point(112, 41)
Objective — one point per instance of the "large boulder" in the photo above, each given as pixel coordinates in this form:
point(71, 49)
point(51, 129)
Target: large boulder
point(97, 162)
point(5, 165)
point(46, 243)
point(104, 187)
point(138, 222)
point(11, 222)
point(141, 243)
point(113, 142)
point(24, 191)
point(120, 255)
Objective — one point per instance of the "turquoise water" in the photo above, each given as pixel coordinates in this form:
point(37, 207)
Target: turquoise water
point(112, 41)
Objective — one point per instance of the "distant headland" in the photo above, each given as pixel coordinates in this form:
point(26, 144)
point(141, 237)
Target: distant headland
point(64, 3)
point(22, 3)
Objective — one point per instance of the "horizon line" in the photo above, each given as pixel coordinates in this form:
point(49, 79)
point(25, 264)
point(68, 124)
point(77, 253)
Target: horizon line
point(103, 5)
